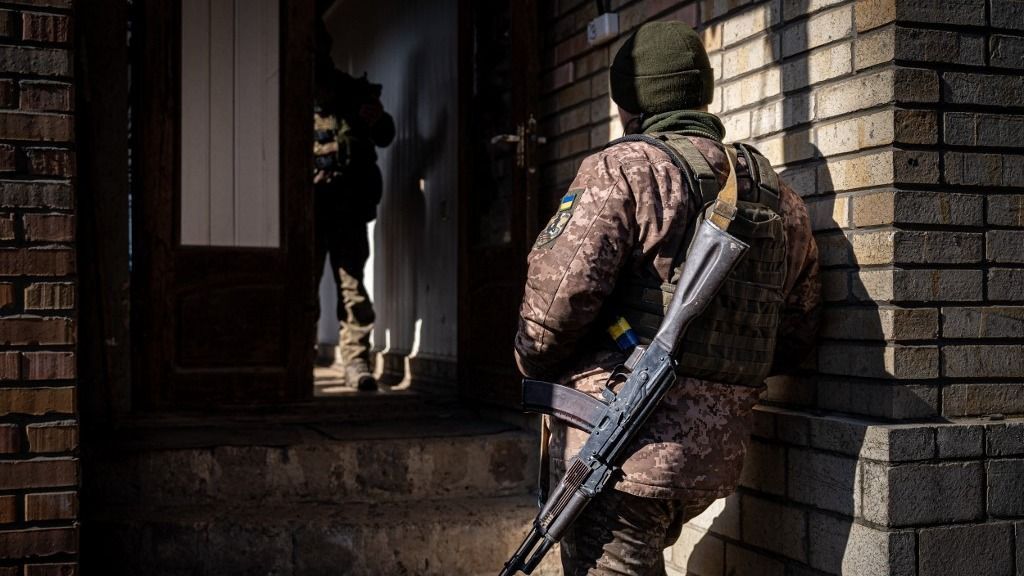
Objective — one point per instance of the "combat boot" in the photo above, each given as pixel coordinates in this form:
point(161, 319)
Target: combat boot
point(359, 376)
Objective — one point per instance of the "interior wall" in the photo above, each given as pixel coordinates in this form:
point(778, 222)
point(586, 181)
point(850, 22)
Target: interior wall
point(411, 49)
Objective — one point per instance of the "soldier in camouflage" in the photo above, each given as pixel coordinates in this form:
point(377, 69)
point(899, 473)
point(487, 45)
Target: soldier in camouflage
point(624, 222)
point(349, 122)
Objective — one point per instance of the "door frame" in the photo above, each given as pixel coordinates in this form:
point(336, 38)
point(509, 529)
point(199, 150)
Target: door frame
point(525, 83)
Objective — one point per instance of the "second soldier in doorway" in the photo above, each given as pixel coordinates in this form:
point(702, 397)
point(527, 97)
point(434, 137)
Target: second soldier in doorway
point(349, 123)
point(604, 267)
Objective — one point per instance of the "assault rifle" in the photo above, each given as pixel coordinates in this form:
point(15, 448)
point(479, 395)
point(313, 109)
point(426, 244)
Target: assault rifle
point(645, 378)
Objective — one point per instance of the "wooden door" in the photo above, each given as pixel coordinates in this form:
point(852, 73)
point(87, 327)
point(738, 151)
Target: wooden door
point(223, 248)
point(498, 189)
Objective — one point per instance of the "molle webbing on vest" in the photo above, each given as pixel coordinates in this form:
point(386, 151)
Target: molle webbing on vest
point(733, 341)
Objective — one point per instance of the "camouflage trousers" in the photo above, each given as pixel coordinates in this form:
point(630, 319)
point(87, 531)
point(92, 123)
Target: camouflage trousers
point(348, 247)
point(356, 317)
point(622, 534)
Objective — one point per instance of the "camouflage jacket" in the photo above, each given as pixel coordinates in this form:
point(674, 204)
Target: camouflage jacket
point(625, 217)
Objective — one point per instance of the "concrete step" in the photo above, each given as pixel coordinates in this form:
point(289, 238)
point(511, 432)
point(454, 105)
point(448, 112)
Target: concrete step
point(324, 462)
point(470, 536)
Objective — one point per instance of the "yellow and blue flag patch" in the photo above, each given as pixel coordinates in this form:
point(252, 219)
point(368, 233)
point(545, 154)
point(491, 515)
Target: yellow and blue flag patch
point(567, 201)
point(558, 222)
point(623, 335)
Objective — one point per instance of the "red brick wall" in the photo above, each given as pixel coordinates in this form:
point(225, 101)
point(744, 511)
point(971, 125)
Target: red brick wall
point(39, 472)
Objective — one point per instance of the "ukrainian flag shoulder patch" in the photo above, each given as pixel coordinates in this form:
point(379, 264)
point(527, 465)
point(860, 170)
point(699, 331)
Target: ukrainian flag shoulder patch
point(558, 222)
point(567, 201)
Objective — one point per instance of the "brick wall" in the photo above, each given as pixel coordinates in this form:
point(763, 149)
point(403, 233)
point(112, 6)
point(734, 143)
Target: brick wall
point(899, 122)
point(38, 424)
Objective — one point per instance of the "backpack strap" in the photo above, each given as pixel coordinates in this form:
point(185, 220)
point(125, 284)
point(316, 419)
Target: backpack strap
point(766, 187)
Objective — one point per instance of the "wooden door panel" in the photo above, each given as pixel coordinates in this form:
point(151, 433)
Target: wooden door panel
point(211, 389)
point(221, 325)
point(500, 316)
point(235, 325)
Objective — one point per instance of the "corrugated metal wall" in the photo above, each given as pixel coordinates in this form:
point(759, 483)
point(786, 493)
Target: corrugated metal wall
point(411, 48)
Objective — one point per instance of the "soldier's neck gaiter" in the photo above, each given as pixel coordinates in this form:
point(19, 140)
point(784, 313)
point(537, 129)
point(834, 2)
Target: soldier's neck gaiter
point(686, 123)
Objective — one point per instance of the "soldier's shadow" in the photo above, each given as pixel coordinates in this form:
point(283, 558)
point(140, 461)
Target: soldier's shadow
point(415, 170)
point(764, 527)
point(799, 499)
point(786, 492)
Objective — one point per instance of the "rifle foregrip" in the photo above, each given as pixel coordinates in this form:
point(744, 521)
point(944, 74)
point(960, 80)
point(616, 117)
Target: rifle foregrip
point(564, 505)
point(560, 522)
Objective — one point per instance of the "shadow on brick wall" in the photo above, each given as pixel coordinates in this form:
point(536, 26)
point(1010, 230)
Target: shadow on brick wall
point(796, 510)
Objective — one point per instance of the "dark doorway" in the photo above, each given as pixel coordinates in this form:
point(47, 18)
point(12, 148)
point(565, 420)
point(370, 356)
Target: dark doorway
point(410, 49)
point(227, 322)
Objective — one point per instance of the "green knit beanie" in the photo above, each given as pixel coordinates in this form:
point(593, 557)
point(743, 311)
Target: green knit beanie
point(662, 67)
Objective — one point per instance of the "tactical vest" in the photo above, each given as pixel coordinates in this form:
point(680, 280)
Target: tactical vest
point(350, 147)
point(733, 341)
point(350, 162)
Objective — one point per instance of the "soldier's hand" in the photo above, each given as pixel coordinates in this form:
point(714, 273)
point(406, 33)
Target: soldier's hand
point(321, 176)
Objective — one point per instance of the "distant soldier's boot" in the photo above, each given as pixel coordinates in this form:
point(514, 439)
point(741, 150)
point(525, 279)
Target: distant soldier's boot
point(355, 311)
point(359, 376)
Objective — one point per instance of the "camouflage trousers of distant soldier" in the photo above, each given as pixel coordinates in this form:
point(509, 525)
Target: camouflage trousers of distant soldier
point(346, 243)
point(622, 534)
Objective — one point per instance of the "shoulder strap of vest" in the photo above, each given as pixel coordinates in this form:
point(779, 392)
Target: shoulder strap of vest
point(766, 182)
point(695, 167)
point(697, 171)
point(691, 179)
point(686, 158)
point(707, 181)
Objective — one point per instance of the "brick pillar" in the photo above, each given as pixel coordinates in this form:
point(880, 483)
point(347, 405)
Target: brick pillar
point(38, 424)
point(899, 451)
